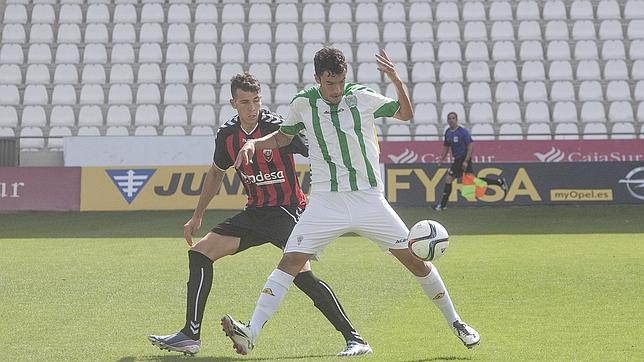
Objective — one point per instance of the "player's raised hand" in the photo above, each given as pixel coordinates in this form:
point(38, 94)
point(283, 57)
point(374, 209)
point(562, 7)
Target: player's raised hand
point(190, 228)
point(245, 155)
point(386, 66)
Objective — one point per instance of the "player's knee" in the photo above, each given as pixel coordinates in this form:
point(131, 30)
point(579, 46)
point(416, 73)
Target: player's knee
point(292, 263)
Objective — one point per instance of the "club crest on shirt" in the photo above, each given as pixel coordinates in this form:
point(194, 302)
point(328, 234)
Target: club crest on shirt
point(268, 155)
point(351, 100)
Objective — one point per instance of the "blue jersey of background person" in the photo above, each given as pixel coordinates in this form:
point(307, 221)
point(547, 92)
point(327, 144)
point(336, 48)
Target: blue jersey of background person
point(457, 140)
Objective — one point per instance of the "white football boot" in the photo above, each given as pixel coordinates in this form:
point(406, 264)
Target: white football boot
point(177, 342)
point(243, 342)
point(467, 334)
point(355, 348)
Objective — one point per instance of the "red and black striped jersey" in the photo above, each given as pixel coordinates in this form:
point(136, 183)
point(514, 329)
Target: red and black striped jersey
point(271, 179)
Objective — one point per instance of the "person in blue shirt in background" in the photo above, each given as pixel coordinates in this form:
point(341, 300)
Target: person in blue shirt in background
point(459, 140)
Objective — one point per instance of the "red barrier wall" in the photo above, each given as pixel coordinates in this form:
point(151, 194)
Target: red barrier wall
point(40, 188)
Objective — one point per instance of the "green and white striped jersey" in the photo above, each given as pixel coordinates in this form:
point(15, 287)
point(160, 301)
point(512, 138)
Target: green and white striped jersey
point(343, 143)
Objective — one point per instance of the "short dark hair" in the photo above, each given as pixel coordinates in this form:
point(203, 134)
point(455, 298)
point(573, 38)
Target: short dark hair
point(246, 82)
point(329, 60)
point(454, 113)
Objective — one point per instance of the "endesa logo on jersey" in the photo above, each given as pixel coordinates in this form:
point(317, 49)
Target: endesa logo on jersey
point(260, 179)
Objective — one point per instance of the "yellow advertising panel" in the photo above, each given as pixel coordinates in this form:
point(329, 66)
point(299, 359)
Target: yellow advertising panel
point(158, 188)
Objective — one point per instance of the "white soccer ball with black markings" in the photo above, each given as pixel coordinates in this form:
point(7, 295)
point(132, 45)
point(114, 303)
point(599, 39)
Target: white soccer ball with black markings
point(428, 240)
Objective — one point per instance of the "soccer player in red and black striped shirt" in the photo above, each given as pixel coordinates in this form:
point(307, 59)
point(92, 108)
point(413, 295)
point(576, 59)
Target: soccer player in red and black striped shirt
point(275, 201)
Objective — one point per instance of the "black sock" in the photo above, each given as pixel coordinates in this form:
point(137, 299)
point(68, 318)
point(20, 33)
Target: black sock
point(325, 300)
point(447, 190)
point(491, 181)
point(199, 283)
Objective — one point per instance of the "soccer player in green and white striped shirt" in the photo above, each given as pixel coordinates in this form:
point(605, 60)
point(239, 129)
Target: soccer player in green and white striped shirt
point(346, 189)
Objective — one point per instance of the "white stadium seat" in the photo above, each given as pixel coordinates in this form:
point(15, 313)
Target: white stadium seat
point(420, 11)
point(506, 92)
point(562, 91)
point(510, 131)
point(567, 131)
point(63, 94)
point(558, 50)
point(539, 131)
point(593, 112)
point(423, 72)
point(448, 72)
point(587, 70)
point(39, 54)
point(148, 93)
point(117, 131)
point(89, 116)
point(180, 33)
point(31, 139)
point(583, 30)
point(616, 70)
point(93, 74)
point(97, 13)
point(508, 113)
point(287, 73)
point(476, 50)
point(449, 51)
point(505, 71)
point(529, 30)
point(421, 32)
point(203, 94)
point(119, 94)
point(586, 50)
point(483, 131)
point(10, 74)
point(33, 116)
point(637, 70)
point(564, 112)
point(424, 92)
point(581, 9)
point(150, 53)
point(13, 33)
point(119, 116)
point(261, 33)
point(608, 9)
point(554, 9)
point(635, 29)
point(425, 113)
point(638, 93)
point(175, 94)
point(537, 113)
point(426, 132)
point(479, 92)
point(535, 92)
point(502, 30)
point(122, 53)
point(41, 33)
point(232, 13)
point(9, 95)
point(37, 74)
point(611, 29)
point(595, 131)
point(153, 13)
point(124, 13)
point(452, 92)
point(180, 13)
point(96, 33)
point(475, 30)
point(478, 72)
point(556, 30)
point(590, 91)
point(560, 70)
point(43, 14)
point(503, 50)
point(448, 30)
point(146, 115)
point(95, 53)
point(204, 73)
point(531, 50)
point(55, 137)
point(68, 33)
point(11, 54)
point(620, 112)
point(634, 9)
point(35, 94)
point(481, 113)
point(500, 10)
point(532, 70)
point(145, 131)
point(618, 91)
point(623, 130)
point(175, 115)
point(202, 115)
point(367, 32)
point(121, 73)
point(15, 13)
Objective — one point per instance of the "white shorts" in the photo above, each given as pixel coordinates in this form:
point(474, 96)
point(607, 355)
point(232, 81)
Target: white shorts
point(329, 215)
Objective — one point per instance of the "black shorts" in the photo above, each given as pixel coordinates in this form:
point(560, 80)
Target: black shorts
point(456, 169)
point(260, 225)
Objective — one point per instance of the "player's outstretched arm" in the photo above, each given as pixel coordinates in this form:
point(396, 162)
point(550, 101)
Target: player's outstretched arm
point(406, 111)
point(276, 139)
point(211, 186)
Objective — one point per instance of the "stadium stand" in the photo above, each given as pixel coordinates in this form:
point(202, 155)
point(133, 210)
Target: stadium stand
point(564, 68)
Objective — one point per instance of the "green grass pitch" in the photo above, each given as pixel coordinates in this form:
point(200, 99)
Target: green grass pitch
point(542, 283)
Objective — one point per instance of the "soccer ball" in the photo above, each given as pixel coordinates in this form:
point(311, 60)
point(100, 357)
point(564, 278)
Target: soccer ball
point(428, 240)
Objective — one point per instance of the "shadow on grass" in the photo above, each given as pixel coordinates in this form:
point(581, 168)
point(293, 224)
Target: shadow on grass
point(222, 359)
point(218, 359)
point(459, 220)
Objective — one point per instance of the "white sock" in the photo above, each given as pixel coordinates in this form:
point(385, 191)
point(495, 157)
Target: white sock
point(434, 288)
point(270, 299)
